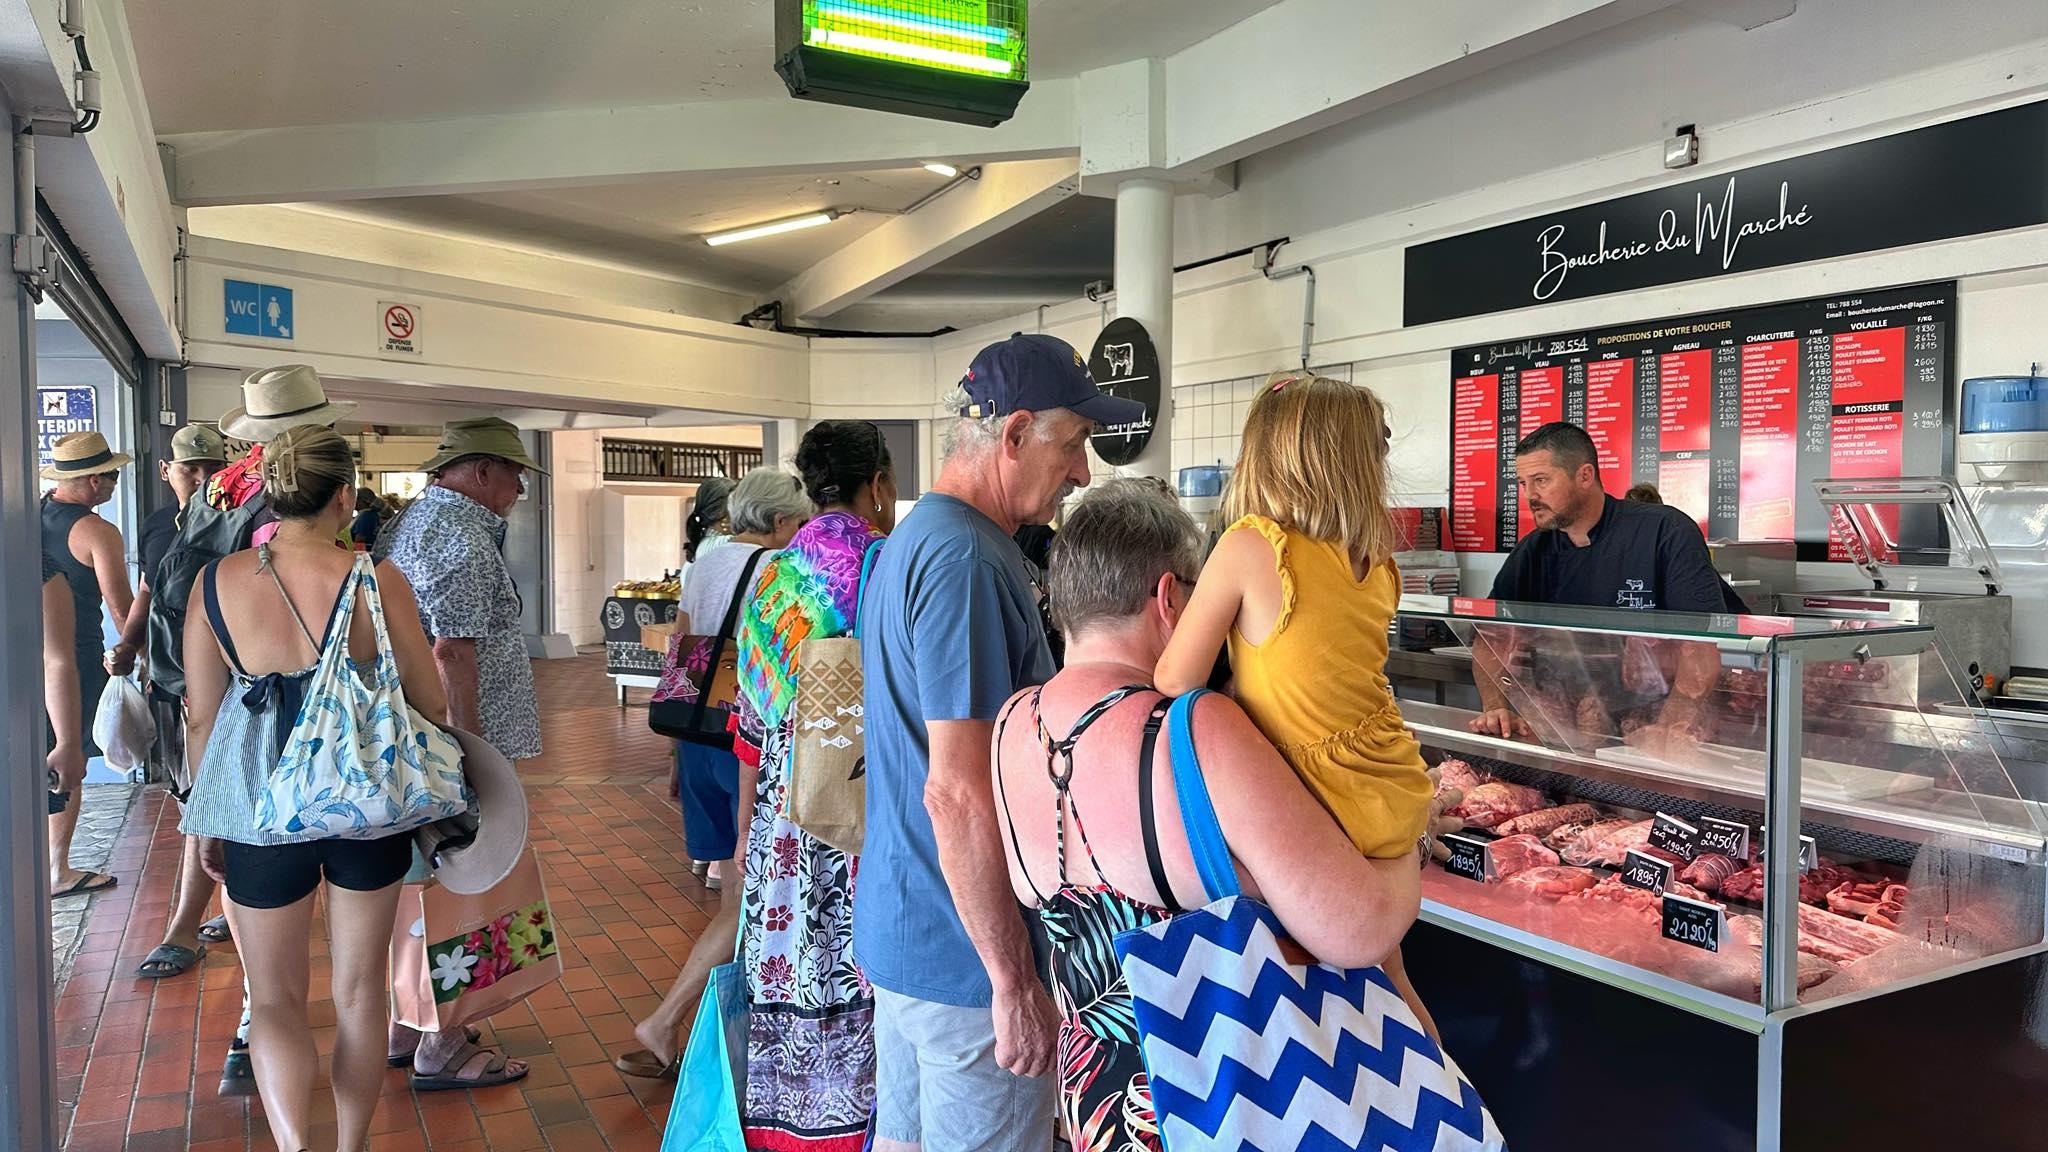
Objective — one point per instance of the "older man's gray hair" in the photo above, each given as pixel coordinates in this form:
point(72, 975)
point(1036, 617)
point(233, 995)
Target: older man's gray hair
point(1112, 550)
point(970, 436)
point(765, 495)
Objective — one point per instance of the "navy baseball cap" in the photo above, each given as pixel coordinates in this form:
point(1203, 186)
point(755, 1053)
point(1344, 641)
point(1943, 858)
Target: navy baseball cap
point(1034, 373)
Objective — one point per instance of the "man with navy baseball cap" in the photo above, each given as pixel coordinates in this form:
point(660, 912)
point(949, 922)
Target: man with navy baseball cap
point(965, 1035)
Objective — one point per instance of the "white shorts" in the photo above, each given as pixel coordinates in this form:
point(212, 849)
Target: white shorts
point(937, 1082)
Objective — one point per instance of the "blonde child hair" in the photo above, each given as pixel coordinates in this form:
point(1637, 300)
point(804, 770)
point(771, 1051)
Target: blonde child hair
point(1314, 459)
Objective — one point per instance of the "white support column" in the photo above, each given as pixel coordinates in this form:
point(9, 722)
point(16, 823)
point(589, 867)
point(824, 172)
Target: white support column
point(1144, 292)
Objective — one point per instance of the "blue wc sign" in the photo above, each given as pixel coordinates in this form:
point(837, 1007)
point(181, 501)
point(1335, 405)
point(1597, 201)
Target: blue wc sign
point(256, 310)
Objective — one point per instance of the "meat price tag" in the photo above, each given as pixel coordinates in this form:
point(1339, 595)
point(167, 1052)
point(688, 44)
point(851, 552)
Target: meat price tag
point(1727, 837)
point(1674, 836)
point(1694, 922)
point(1642, 870)
point(1471, 857)
point(1809, 852)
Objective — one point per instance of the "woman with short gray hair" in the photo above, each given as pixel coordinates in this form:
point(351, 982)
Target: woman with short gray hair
point(764, 510)
point(1123, 567)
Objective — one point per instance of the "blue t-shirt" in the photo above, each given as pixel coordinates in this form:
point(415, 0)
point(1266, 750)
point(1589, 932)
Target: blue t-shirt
point(949, 631)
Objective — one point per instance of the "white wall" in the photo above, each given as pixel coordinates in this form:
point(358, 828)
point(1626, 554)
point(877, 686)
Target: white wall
point(513, 345)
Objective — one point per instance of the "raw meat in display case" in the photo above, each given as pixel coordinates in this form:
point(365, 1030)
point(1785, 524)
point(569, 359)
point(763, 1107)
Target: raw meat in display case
point(1488, 804)
point(1515, 854)
point(1553, 883)
point(1577, 847)
point(1547, 820)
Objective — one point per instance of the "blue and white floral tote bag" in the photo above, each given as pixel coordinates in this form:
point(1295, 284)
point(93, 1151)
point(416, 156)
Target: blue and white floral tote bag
point(360, 763)
point(1246, 1050)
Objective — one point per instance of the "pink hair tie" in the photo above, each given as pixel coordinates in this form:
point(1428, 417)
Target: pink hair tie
point(1279, 384)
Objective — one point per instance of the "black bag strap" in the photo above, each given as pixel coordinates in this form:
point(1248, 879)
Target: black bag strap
point(725, 631)
point(1148, 822)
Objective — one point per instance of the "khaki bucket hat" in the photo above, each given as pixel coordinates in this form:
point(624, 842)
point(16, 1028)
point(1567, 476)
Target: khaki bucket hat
point(482, 436)
point(275, 400)
point(83, 454)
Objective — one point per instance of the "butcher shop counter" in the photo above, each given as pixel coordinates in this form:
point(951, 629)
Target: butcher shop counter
point(1737, 863)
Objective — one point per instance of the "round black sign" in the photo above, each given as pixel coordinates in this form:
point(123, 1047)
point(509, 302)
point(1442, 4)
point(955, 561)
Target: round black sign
point(1125, 364)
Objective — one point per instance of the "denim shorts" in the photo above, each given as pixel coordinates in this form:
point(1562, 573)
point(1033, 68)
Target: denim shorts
point(937, 1082)
point(710, 787)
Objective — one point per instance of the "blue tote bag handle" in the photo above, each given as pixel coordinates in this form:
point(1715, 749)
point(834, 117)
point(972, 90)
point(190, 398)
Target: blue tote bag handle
point(1197, 813)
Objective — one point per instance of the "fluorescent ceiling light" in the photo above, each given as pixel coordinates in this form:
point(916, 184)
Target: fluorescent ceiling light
point(774, 227)
point(946, 170)
point(921, 24)
point(876, 45)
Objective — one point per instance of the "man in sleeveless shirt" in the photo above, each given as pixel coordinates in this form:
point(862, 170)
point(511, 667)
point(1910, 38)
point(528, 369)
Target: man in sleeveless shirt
point(87, 551)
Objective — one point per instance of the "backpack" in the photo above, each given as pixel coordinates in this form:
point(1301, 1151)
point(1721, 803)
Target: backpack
point(205, 534)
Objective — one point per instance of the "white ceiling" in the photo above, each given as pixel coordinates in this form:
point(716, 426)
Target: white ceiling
point(211, 65)
point(231, 65)
point(658, 226)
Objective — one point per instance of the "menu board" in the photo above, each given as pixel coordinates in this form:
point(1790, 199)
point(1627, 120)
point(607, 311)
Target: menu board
point(1732, 416)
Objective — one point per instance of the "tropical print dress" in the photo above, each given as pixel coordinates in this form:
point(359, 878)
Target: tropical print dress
point(1105, 1098)
point(810, 1042)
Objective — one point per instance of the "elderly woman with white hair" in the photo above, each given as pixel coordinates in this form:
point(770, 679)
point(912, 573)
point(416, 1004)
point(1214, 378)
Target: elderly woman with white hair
point(765, 510)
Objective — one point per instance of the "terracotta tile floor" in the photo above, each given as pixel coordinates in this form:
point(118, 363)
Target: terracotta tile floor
point(139, 1060)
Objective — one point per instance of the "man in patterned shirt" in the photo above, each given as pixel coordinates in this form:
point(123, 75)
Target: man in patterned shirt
point(450, 545)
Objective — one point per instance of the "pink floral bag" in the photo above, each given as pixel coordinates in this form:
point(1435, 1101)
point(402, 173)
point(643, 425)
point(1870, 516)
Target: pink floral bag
point(456, 959)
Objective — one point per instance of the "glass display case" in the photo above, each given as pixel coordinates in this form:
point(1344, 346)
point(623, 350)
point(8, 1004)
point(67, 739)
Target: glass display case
point(1750, 820)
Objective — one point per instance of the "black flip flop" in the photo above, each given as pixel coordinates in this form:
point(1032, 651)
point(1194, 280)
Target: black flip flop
point(178, 959)
point(216, 931)
point(88, 882)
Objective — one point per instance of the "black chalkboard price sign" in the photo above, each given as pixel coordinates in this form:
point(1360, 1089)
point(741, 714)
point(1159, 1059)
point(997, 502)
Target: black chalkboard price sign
point(1694, 922)
point(1674, 836)
point(1471, 857)
point(1641, 870)
point(1727, 837)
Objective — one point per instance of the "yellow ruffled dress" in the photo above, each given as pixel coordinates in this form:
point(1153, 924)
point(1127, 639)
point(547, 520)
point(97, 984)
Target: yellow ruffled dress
point(1317, 687)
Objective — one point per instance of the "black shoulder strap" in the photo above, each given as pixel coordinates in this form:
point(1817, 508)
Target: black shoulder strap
point(219, 623)
point(1148, 820)
point(1002, 793)
point(725, 631)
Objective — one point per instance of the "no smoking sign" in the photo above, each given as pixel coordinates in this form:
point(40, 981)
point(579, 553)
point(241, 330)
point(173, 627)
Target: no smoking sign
point(398, 328)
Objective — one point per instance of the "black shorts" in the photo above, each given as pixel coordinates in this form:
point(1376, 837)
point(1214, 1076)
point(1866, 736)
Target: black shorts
point(278, 875)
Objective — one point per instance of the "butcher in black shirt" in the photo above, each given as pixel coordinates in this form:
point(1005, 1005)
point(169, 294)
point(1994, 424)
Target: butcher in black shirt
point(1592, 550)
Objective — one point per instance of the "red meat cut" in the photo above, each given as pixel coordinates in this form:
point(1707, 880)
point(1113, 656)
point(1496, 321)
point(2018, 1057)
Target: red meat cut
point(1553, 883)
point(1748, 884)
point(1519, 854)
point(1708, 871)
point(1455, 773)
point(1546, 820)
point(1493, 802)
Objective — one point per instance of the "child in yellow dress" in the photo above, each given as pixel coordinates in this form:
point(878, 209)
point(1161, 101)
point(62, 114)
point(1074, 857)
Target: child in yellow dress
point(1301, 588)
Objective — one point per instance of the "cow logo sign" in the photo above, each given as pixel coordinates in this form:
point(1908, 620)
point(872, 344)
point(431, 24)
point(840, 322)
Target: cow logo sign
point(1125, 363)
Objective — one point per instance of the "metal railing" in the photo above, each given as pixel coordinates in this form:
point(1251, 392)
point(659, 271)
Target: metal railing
point(669, 463)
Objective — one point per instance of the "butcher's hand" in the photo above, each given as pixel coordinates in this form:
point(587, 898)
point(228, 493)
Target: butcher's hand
point(1027, 1030)
point(1501, 722)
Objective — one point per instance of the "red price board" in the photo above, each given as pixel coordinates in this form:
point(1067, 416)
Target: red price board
point(1732, 416)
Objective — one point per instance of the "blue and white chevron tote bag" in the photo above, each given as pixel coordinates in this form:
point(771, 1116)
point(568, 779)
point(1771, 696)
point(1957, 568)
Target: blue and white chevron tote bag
point(360, 763)
point(1246, 1050)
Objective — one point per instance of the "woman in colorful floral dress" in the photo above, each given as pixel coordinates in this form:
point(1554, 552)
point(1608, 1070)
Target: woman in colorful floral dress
point(810, 1046)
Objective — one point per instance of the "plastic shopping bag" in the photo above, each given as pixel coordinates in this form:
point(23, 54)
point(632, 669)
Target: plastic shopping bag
point(123, 727)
